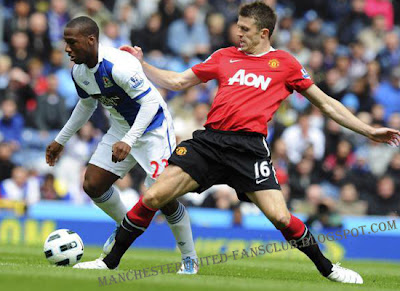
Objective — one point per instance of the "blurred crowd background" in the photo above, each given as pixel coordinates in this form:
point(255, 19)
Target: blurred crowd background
point(351, 49)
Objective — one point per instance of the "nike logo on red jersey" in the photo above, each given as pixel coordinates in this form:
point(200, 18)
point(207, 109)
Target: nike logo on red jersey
point(234, 61)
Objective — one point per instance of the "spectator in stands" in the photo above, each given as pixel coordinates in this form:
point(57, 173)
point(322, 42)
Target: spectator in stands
point(315, 66)
point(228, 8)
point(373, 37)
point(222, 197)
point(151, 38)
point(344, 156)
point(283, 30)
point(182, 106)
point(301, 176)
point(6, 165)
point(381, 7)
point(389, 57)
point(353, 23)
point(50, 191)
point(349, 203)
point(330, 47)
point(185, 128)
point(313, 197)
point(386, 201)
point(334, 180)
point(393, 169)
point(19, 21)
point(57, 16)
point(21, 92)
point(188, 34)
point(359, 59)
point(361, 176)
point(38, 79)
point(111, 35)
point(51, 113)
point(11, 124)
point(304, 134)
point(335, 84)
point(313, 36)
point(39, 40)
point(20, 187)
point(19, 50)
point(169, 12)
point(326, 217)
point(5, 66)
point(378, 157)
point(388, 92)
point(216, 27)
point(296, 47)
point(96, 10)
point(66, 86)
point(373, 75)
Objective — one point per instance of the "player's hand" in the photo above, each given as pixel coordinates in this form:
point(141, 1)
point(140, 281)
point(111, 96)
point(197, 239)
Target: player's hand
point(53, 152)
point(386, 135)
point(120, 151)
point(134, 51)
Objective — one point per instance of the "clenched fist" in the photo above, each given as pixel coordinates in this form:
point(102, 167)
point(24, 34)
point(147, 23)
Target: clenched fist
point(53, 153)
point(120, 151)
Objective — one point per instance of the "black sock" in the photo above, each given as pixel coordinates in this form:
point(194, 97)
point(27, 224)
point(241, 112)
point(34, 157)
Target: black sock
point(126, 235)
point(308, 245)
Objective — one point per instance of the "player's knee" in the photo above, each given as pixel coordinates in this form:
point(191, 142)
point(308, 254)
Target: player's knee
point(281, 221)
point(153, 200)
point(91, 189)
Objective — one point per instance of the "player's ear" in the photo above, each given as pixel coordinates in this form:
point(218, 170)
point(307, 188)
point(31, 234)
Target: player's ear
point(264, 33)
point(92, 39)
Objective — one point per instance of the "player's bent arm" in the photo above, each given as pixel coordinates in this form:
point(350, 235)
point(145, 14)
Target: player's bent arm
point(81, 114)
point(337, 111)
point(148, 108)
point(171, 80)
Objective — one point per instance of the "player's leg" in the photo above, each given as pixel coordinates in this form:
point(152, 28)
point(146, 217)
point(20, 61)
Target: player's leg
point(98, 184)
point(171, 184)
point(273, 205)
point(153, 153)
point(99, 179)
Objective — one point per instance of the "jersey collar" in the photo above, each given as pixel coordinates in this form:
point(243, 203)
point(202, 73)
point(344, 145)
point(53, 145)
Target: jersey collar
point(271, 49)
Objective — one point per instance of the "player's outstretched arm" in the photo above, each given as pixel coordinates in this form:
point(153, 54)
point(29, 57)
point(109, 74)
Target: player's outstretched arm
point(338, 112)
point(167, 79)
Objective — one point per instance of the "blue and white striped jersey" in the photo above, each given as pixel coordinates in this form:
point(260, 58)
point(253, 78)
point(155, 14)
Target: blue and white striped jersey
point(118, 82)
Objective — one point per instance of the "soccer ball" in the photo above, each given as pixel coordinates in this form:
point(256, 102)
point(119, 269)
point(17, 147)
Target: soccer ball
point(63, 247)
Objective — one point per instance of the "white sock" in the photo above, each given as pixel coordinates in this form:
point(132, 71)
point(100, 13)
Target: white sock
point(179, 222)
point(111, 203)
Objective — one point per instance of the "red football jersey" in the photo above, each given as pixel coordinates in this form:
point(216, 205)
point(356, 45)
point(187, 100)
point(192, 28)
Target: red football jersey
point(251, 87)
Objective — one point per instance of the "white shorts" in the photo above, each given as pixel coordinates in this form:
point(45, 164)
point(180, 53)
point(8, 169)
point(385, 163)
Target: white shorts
point(151, 151)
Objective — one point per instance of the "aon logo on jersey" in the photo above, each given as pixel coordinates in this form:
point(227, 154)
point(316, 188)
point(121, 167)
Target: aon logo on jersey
point(250, 79)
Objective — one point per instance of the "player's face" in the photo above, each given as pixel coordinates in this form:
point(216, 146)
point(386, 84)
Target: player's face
point(78, 46)
point(249, 35)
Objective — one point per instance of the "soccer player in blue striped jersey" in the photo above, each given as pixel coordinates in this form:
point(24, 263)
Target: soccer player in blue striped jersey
point(141, 129)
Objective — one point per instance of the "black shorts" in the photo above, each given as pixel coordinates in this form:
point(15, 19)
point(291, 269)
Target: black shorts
point(240, 160)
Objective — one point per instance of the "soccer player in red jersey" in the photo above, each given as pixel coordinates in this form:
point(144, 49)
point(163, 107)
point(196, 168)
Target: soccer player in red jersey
point(253, 80)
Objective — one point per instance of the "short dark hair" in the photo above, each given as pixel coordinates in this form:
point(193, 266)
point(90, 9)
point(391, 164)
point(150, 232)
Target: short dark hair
point(85, 25)
point(262, 14)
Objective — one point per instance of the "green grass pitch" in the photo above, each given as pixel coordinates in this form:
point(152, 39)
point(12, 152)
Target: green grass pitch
point(25, 268)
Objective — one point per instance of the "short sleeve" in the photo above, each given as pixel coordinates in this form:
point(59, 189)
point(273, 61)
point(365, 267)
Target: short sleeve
point(131, 78)
point(209, 69)
point(298, 78)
